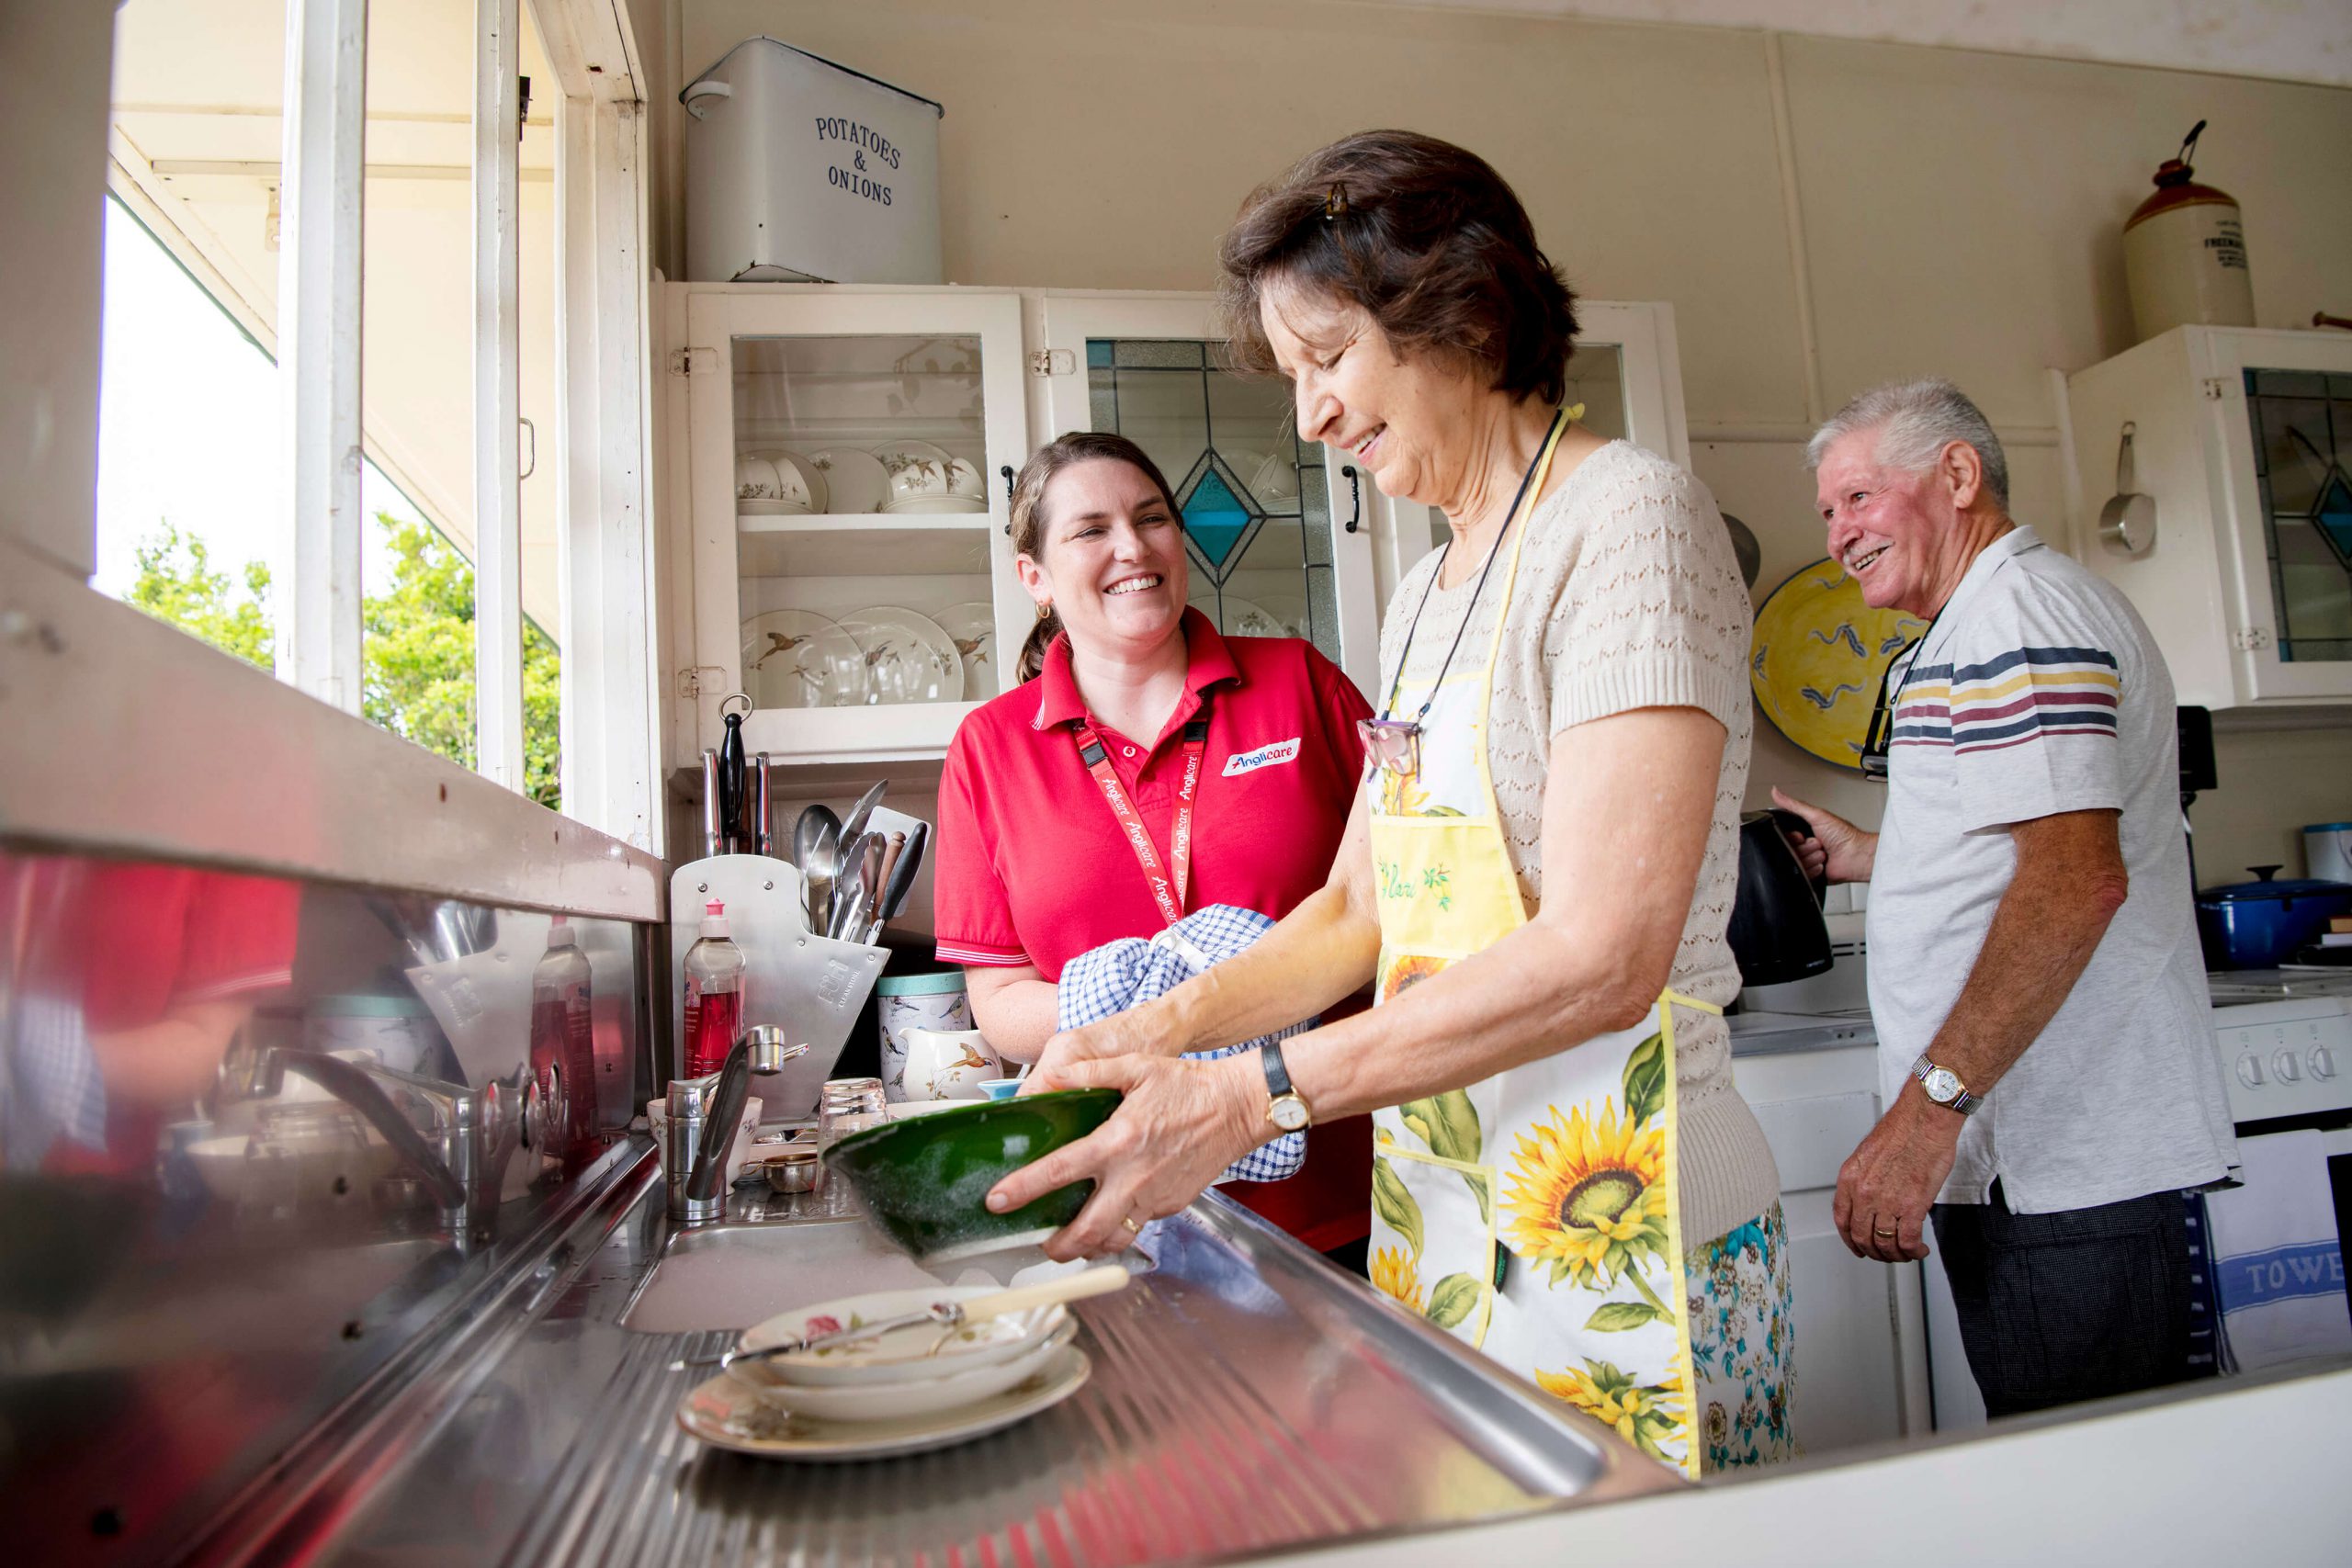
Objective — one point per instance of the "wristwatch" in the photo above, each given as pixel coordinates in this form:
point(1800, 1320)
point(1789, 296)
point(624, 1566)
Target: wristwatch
point(1287, 1108)
point(1943, 1087)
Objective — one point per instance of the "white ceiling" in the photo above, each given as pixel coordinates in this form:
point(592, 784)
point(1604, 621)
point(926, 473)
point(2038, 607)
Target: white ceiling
point(2295, 40)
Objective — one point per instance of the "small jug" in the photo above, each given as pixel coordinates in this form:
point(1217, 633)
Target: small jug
point(948, 1064)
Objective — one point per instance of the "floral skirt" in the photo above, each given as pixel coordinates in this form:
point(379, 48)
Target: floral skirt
point(1741, 1348)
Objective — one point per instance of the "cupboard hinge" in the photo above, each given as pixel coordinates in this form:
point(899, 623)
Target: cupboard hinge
point(1052, 362)
point(690, 679)
point(2251, 640)
point(692, 361)
point(2216, 387)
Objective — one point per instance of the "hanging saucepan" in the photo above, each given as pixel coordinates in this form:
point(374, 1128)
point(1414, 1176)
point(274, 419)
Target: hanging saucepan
point(2127, 523)
point(1777, 933)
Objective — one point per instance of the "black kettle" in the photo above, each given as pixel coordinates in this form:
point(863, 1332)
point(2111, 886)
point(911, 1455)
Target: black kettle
point(1777, 933)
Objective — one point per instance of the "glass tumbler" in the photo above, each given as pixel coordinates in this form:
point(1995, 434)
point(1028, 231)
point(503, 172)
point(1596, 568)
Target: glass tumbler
point(849, 1105)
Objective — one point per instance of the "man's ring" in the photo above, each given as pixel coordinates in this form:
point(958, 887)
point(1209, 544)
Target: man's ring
point(1129, 1221)
point(1875, 1231)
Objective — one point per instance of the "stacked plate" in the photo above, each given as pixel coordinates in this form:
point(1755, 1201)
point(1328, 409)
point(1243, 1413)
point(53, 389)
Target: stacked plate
point(797, 658)
point(903, 1391)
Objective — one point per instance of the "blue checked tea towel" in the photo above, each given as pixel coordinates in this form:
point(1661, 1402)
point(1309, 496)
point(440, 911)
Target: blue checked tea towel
point(1118, 975)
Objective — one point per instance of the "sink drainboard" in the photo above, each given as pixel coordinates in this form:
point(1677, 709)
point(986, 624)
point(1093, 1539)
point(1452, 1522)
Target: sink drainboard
point(735, 1276)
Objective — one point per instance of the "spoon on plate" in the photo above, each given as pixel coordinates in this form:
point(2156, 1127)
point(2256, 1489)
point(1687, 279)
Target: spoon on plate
point(1099, 1280)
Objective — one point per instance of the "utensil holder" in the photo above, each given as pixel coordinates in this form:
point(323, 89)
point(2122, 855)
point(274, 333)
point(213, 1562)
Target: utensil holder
point(810, 985)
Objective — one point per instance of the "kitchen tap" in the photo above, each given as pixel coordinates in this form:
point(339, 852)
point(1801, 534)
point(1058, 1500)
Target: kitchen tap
point(462, 1155)
point(703, 1112)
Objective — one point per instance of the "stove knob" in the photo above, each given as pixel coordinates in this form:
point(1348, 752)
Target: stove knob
point(2250, 1070)
point(2287, 1067)
point(2322, 1063)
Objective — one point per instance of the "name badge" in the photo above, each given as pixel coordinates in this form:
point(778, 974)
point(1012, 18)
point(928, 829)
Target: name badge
point(1264, 757)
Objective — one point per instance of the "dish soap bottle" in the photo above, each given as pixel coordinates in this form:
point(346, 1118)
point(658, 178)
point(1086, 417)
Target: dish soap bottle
point(713, 994)
point(563, 1052)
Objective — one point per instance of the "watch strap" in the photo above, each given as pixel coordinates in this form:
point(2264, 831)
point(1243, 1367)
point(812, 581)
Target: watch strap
point(1270, 1057)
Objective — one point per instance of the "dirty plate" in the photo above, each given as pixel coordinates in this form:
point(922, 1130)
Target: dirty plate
point(923, 1394)
point(903, 1352)
point(726, 1414)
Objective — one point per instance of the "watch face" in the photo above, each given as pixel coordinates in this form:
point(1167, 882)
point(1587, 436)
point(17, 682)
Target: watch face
point(1942, 1084)
point(1289, 1112)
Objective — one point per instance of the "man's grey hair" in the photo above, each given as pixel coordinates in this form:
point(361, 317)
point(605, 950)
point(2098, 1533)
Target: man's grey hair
point(1916, 421)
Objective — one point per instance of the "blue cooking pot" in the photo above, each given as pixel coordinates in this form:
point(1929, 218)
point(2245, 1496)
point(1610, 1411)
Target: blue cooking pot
point(2262, 924)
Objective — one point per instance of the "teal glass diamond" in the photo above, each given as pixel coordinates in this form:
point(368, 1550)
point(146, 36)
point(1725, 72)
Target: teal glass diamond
point(1219, 518)
point(2331, 516)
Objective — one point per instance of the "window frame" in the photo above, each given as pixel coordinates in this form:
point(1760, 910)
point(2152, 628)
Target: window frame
point(610, 715)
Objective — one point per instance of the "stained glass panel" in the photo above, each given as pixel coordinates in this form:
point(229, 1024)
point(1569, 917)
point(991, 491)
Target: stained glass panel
point(2302, 439)
point(1257, 515)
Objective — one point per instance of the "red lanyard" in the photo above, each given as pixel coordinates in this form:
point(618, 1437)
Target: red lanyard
point(1168, 885)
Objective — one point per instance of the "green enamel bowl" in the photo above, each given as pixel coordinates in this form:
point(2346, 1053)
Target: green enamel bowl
point(926, 1180)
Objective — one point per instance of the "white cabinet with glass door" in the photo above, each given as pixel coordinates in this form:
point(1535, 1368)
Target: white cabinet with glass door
point(1274, 526)
point(831, 611)
point(2243, 567)
point(849, 450)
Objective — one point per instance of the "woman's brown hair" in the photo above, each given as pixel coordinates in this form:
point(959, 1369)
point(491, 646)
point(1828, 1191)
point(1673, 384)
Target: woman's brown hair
point(1029, 514)
point(1426, 238)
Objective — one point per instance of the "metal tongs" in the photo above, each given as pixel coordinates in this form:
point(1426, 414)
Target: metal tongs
point(949, 1315)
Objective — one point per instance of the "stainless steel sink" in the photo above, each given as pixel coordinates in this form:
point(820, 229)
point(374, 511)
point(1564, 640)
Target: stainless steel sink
point(732, 1276)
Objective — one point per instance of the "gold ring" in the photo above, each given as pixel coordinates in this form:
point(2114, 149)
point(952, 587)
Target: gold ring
point(1129, 1221)
point(1875, 1231)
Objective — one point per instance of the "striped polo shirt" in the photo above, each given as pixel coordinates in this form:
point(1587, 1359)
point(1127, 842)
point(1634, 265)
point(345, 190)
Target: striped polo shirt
point(2040, 691)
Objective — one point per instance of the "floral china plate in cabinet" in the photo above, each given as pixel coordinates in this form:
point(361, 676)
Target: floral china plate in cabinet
point(928, 478)
point(856, 481)
point(908, 658)
point(795, 658)
point(972, 627)
point(793, 470)
point(727, 1413)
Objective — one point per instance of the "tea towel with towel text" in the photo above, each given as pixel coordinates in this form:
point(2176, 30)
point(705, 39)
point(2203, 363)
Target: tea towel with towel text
point(2276, 1259)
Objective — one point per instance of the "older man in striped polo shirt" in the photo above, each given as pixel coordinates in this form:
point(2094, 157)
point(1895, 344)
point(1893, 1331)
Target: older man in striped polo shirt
point(2044, 1046)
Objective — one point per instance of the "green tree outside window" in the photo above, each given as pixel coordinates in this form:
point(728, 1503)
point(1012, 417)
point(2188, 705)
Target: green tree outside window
point(417, 656)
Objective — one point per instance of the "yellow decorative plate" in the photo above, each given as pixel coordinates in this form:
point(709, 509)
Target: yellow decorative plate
point(1818, 655)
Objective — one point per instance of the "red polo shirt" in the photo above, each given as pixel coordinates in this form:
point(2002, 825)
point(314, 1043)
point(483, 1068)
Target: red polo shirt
point(1033, 867)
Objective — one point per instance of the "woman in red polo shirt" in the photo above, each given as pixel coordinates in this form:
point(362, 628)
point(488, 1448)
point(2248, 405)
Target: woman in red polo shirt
point(1034, 865)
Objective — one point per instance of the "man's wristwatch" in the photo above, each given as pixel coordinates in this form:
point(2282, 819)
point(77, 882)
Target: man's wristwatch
point(1286, 1108)
point(1943, 1087)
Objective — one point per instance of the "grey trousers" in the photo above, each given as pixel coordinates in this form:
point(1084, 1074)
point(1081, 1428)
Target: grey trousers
point(2080, 1305)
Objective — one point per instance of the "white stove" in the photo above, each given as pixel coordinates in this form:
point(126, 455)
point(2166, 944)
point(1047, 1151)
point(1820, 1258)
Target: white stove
point(2284, 1039)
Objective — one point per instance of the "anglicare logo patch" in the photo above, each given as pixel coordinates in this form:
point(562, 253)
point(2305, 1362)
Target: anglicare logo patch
point(1264, 757)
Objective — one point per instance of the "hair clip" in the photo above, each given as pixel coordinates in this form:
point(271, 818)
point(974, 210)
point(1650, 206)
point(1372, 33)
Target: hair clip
point(1335, 201)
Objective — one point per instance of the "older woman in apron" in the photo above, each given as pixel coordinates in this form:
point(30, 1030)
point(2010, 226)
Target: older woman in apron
point(1540, 865)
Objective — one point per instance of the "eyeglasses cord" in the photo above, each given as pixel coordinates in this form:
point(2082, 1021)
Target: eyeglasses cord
point(1405, 654)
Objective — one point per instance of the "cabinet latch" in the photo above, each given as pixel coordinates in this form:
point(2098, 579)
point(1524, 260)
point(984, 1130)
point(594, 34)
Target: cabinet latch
point(692, 361)
point(690, 679)
point(2251, 640)
point(2216, 387)
point(1052, 362)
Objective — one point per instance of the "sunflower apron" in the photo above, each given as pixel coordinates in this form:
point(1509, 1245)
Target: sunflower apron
point(1532, 1214)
